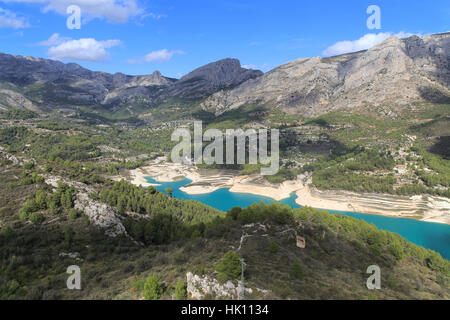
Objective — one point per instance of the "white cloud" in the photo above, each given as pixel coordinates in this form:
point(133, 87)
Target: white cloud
point(9, 19)
point(54, 40)
point(154, 16)
point(158, 56)
point(366, 42)
point(117, 11)
point(82, 50)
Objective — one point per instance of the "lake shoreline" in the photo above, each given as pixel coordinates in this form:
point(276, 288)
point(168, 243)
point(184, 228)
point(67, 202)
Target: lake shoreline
point(424, 208)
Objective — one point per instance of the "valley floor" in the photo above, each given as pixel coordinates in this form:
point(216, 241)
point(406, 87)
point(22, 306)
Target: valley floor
point(425, 208)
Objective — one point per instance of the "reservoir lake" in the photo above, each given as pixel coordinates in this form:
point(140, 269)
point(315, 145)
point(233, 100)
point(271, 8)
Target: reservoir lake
point(435, 236)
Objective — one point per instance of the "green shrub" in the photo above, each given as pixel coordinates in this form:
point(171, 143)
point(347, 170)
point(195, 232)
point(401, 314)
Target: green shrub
point(180, 290)
point(222, 277)
point(138, 285)
point(74, 214)
point(97, 179)
point(28, 165)
point(8, 233)
point(10, 186)
point(153, 289)
point(12, 286)
point(26, 181)
point(376, 249)
point(36, 178)
point(229, 267)
point(68, 198)
point(29, 207)
point(437, 263)
point(37, 217)
point(296, 270)
point(53, 207)
point(69, 234)
point(169, 191)
point(41, 200)
point(273, 247)
point(396, 249)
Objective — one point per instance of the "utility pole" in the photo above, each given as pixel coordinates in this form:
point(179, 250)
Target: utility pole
point(241, 286)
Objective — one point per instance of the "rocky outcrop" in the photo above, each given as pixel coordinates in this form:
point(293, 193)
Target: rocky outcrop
point(199, 288)
point(71, 255)
point(394, 73)
point(154, 79)
point(99, 214)
point(14, 99)
point(9, 156)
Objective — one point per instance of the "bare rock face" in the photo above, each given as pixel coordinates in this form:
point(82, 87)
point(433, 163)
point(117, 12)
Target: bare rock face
point(200, 287)
point(222, 74)
point(13, 99)
point(8, 156)
point(155, 79)
point(393, 73)
point(99, 214)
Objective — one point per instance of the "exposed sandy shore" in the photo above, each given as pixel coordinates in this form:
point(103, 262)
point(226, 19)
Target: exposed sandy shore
point(161, 171)
point(277, 193)
point(211, 181)
point(425, 208)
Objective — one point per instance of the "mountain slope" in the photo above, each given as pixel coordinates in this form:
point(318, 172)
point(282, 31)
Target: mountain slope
point(394, 73)
point(27, 82)
point(170, 238)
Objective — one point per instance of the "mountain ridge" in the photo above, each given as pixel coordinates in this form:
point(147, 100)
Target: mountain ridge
point(395, 72)
point(73, 84)
point(387, 78)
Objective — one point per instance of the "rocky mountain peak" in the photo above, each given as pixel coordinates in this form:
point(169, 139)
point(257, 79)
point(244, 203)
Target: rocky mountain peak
point(394, 73)
point(219, 75)
point(220, 72)
point(156, 73)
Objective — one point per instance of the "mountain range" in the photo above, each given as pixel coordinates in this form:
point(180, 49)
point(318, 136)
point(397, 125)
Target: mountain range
point(388, 77)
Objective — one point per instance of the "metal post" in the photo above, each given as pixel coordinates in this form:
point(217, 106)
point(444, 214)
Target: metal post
point(242, 269)
point(241, 286)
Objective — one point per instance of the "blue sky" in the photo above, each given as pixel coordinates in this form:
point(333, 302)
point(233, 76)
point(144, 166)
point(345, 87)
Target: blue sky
point(177, 36)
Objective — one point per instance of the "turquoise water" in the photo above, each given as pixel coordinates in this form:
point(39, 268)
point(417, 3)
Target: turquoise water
point(430, 235)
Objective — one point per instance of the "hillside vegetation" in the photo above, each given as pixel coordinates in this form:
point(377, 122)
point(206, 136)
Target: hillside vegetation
point(175, 237)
